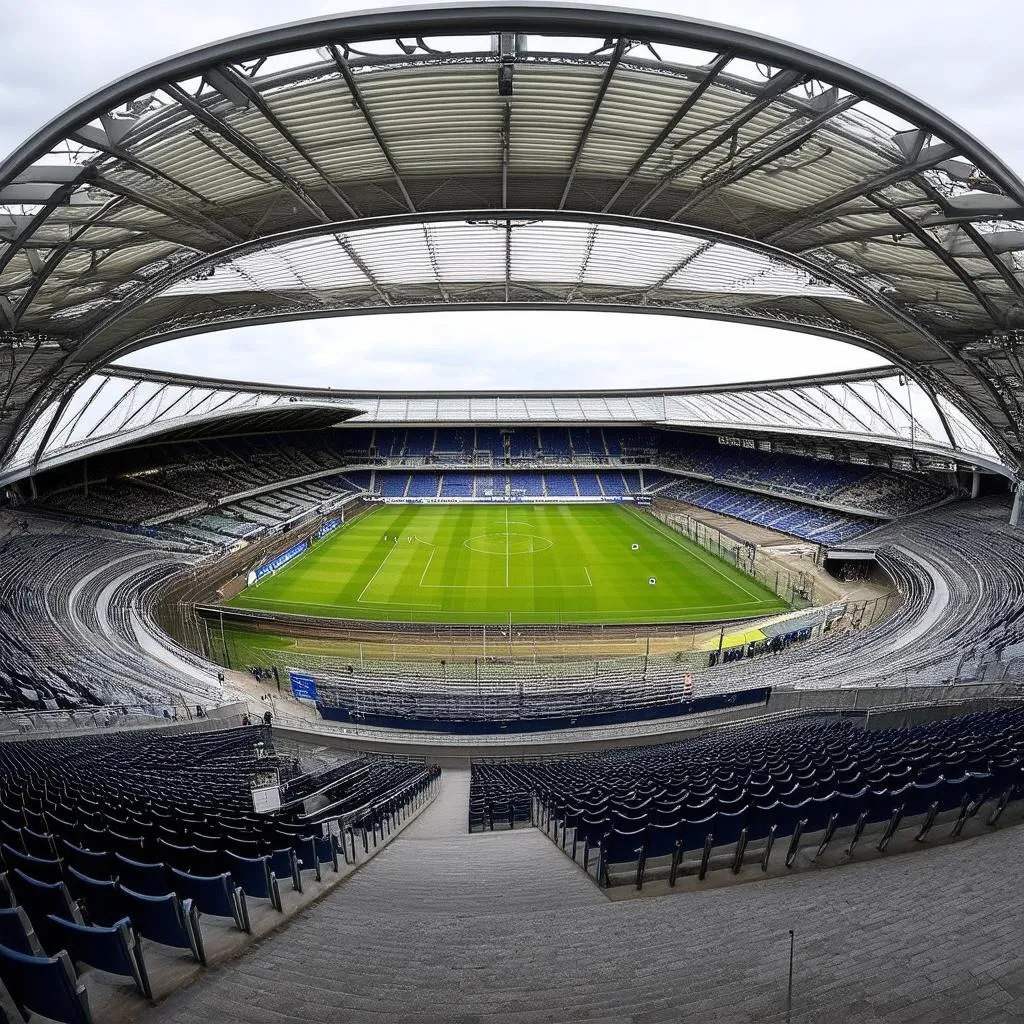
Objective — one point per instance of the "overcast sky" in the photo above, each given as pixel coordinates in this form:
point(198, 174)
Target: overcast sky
point(963, 59)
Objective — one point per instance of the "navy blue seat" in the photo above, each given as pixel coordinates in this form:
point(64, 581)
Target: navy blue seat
point(6, 896)
point(619, 847)
point(12, 836)
point(306, 855)
point(206, 862)
point(662, 837)
point(173, 855)
point(43, 869)
point(696, 834)
point(849, 808)
point(477, 815)
point(41, 899)
point(39, 845)
point(215, 895)
point(242, 847)
point(101, 897)
point(730, 829)
point(132, 847)
point(284, 864)
point(115, 950)
point(916, 799)
point(327, 850)
point(59, 826)
point(16, 932)
point(168, 920)
point(150, 879)
point(45, 985)
point(92, 838)
point(94, 863)
point(253, 874)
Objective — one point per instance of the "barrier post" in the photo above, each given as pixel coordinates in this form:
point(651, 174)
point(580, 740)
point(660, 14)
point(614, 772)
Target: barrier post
point(789, 990)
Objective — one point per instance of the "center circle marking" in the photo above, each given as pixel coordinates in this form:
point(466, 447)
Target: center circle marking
point(514, 543)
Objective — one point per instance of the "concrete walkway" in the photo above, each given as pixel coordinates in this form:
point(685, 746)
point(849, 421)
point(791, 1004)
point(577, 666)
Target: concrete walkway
point(447, 927)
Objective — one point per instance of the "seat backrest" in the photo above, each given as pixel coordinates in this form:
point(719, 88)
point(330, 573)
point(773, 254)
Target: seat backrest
point(39, 845)
point(284, 865)
point(133, 847)
point(158, 918)
point(212, 895)
point(305, 851)
point(729, 825)
point(820, 810)
point(693, 831)
point(102, 899)
point(326, 851)
point(920, 796)
point(849, 806)
point(662, 837)
point(16, 932)
point(952, 793)
point(43, 869)
point(40, 899)
point(174, 855)
point(620, 847)
point(150, 879)
point(45, 985)
point(251, 873)
point(12, 836)
point(113, 949)
point(205, 862)
point(243, 847)
point(95, 864)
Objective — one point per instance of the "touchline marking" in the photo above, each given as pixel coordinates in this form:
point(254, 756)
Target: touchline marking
point(429, 560)
point(506, 547)
point(513, 586)
point(620, 618)
point(369, 583)
point(664, 531)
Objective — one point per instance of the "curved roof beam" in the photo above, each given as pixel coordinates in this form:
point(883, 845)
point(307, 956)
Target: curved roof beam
point(192, 155)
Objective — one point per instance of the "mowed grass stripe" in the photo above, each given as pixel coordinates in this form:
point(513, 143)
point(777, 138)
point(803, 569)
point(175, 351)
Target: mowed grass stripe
point(539, 563)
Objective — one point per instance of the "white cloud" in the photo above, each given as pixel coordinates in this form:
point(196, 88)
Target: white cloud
point(516, 349)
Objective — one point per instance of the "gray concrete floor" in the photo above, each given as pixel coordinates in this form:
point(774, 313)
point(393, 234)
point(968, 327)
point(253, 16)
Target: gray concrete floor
point(444, 926)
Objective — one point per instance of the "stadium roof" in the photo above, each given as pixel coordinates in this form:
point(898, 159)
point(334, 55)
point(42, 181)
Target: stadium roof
point(510, 155)
point(122, 406)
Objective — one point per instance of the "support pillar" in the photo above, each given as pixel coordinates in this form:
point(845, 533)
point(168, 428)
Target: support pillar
point(975, 484)
point(1018, 505)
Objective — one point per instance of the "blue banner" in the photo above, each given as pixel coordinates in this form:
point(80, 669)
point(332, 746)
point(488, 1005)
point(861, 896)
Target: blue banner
point(303, 686)
point(282, 559)
point(642, 499)
point(326, 528)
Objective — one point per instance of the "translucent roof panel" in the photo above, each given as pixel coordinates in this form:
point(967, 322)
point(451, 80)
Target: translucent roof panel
point(114, 408)
point(510, 155)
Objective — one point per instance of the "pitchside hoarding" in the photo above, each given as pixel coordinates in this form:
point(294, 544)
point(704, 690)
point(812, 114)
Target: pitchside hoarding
point(515, 499)
point(329, 527)
point(275, 563)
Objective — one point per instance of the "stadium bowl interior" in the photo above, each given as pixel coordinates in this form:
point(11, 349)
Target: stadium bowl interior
point(485, 692)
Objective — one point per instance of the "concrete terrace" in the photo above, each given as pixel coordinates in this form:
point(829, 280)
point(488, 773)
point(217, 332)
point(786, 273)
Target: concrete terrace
point(443, 926)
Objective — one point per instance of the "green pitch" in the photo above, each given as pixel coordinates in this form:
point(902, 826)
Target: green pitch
point(537, 563)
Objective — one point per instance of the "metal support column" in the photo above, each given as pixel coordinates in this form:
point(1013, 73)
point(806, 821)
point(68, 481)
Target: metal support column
point(1018, 504)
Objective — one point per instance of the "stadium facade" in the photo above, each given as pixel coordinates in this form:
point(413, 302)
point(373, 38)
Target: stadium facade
point(489, 158)
point(594, 158)
point(812, 587)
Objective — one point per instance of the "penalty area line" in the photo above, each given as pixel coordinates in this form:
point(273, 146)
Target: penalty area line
point(369, 582)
